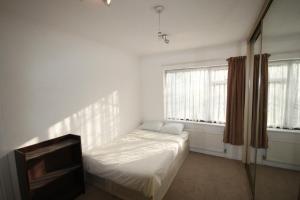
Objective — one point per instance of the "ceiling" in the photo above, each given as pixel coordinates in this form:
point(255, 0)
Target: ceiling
point(282, 19)
point(132, 25)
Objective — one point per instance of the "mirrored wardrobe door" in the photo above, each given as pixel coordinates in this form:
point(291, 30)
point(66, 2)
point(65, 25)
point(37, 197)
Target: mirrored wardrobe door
point(255, 49)
point(278, 149)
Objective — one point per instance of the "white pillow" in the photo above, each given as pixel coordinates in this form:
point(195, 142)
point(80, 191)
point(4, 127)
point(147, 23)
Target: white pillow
point(152, 125)
point(172, 128)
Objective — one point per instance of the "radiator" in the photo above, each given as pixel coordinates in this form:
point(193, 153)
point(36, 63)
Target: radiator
point(206, 137)
point(284, 148)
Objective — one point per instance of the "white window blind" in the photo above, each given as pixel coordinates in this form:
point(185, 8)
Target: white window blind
point(284, 94)
point(196, 94)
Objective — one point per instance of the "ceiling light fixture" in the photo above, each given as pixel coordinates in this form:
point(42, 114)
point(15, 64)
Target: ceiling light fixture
point(161, 36)
point(107, 2)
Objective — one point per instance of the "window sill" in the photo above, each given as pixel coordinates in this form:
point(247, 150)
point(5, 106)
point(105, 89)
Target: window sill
point(276, 130)
point(196, 123)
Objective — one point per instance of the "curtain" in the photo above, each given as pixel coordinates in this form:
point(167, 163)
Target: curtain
point(234, 127)
point(284, 94)
point(196, 94)
point(259, 137)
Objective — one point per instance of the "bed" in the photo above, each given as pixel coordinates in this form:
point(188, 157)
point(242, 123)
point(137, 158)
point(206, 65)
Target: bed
point(140, 165)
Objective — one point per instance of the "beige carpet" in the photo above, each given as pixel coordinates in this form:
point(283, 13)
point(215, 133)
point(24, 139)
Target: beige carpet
point(276, 184)
point(201, 177)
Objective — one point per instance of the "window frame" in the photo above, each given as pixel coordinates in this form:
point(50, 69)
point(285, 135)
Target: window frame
point(186, 67)
point(282, 81)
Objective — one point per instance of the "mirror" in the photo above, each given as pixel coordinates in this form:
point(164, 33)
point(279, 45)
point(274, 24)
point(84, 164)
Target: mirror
point(277, 169)
point(255, 48)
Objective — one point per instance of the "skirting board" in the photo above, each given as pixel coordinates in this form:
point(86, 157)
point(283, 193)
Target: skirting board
point(281, 165)
point(219, 153)
point(207, 151)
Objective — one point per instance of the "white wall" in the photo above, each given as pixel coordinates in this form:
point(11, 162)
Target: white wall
point(53, 83)
point(204, 138)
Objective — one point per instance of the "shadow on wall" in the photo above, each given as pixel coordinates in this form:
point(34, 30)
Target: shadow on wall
point(6, 188)
point(97, 124)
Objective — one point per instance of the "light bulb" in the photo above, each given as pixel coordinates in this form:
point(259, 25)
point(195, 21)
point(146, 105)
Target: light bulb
point(107, 2)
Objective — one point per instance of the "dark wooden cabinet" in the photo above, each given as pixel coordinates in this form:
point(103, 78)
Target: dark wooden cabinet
point(51, 170)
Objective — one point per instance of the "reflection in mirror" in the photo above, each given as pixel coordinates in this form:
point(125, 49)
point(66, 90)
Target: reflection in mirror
point(278, 162)
point(255, 52)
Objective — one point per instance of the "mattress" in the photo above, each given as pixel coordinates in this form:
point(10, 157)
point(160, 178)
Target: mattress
point(143, 161)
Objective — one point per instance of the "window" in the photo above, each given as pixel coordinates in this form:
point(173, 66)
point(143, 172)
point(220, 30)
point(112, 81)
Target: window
point(284, 94)
point(196, 94)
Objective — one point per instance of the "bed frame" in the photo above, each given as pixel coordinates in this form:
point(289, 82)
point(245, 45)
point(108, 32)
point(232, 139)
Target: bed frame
point(125, 193)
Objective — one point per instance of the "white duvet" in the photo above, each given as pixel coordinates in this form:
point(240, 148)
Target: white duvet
point(138, 160)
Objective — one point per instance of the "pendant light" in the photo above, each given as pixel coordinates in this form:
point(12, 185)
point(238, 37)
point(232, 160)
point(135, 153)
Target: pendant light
point(107, 2)
point(161, 36)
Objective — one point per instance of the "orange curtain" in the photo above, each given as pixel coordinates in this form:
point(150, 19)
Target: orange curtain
point(259, 137)
point(234, 127)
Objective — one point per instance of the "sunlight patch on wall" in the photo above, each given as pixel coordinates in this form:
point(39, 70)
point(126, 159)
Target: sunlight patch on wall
point(97, 124)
